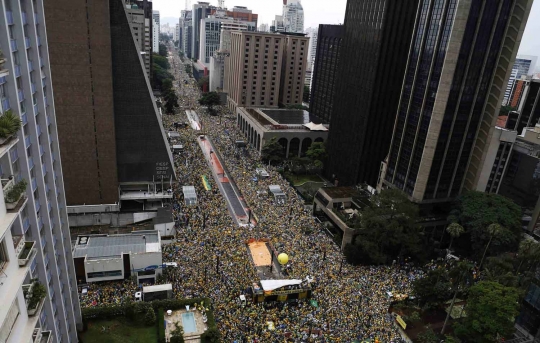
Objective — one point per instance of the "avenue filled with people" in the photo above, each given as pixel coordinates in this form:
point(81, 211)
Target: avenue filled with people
point(350, 302)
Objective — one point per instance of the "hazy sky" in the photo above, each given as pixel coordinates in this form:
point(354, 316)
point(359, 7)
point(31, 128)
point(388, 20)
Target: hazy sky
point(332, 12)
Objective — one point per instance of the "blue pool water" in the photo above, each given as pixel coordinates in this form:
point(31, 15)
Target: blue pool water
point(188, 322)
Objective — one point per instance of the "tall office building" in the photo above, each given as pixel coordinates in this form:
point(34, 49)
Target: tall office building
point(293, 16)
point(458, 65)
point(373, 57)
point(523, 66)
point(239, 13)
point(325, 71)
point(256, 78)
point(264, 28)
point(187, 32)
point(34, 234)
point(200, 11)
point(138, 13)
point(113, 142)
point(156, 29)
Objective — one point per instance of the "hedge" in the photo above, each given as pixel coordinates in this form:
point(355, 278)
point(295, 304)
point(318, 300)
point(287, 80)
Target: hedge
point(161, 326)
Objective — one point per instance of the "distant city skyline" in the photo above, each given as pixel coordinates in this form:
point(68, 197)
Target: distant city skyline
point(320, 12)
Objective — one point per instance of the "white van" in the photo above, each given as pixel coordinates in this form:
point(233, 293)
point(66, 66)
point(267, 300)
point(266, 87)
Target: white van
point(170, 265)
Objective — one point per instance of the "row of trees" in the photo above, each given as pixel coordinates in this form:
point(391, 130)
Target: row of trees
point(273, 151)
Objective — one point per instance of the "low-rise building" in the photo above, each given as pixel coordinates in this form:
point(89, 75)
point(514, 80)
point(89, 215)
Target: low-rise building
point(118, 257)
point(293, 129)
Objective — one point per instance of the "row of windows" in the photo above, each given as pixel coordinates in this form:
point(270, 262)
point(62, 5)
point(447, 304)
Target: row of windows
point(104, 274)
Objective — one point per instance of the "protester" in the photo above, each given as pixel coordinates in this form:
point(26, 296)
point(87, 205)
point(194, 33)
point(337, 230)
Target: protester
point(213, 259)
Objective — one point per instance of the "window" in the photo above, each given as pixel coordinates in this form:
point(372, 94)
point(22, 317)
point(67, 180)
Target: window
point(106, 274)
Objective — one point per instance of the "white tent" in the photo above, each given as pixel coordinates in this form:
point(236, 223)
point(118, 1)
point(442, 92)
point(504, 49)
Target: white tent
point(315, 127)
point(190, 196)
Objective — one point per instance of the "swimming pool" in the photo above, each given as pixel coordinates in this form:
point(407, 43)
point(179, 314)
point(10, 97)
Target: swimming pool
point(188, 322)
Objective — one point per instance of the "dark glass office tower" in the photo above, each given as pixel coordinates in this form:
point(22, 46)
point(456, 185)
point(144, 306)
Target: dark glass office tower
point(376, 41)
point(325, 71)
point(458, 66)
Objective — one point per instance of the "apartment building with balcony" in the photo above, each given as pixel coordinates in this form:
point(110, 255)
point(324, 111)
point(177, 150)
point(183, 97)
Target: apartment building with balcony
point(37, 284)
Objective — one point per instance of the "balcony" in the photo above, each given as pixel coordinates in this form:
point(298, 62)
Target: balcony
point(5, 105)
point(34, 184)
point(21, 94)
point(33, 87)
point(41, 150)
point(34, 294)
point(14, 194)
point(36, 109)
point(46, 337)
point(27, 253)
point(13, 44)
point(27, 42)
point(18, 243)
point(3, 72)
point(36, 18)
point(39, 41)
point(43, 82)
point(31, 163)
point(44, 170)
point(24, 119)
point(30, 66)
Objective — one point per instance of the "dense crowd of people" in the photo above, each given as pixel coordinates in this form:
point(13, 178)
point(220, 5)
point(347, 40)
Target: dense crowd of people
point(351, 302)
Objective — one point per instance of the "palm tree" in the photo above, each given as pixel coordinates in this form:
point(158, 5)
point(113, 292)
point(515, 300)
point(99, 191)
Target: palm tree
point(494, 230)
point(455, 230)
point(461, 276)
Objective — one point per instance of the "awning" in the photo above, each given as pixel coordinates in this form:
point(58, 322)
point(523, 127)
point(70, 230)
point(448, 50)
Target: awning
point(270, 285)
point(315, 127)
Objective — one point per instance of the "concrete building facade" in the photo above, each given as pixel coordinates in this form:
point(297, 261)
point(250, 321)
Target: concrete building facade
point(156, 29)
point(325, 71)
point(201, 10)
point(293, 70)
point(35, 243)
point(140, 24)
point(187, 31)
point(293, 16)
point(451, 95)
point(109, 127)
point(287, 126)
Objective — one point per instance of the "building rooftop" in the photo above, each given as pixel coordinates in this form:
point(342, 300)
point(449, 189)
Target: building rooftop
point(288, 116)
point(95, 247)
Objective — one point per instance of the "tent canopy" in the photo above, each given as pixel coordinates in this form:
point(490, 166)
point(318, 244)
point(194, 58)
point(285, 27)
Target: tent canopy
point(315, 127)
point(190, 196)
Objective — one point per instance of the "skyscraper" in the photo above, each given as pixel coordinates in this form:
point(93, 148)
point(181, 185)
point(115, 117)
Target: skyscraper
point(326, 73)
point(458, 65)
point(523, 66)
point(200, 11)
point(112, 139)
point(293, 16)
point(373, 57)
point(35, 240)
point(187, 32)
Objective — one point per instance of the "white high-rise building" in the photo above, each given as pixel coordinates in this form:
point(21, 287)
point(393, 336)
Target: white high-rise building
point(264, 28)
point(155, 31)
point(523, 65)
point(312, 34)
point(176, 32)
point(35, 244)
point(293, 16)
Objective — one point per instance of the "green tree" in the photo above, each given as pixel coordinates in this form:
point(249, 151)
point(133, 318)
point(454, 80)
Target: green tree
point(210, 99)
point(491, 310)
point(272, 151)
point(494, 231)
point(475, 211)
point(188, 70)
point(455, 230)
point(150, 317)
point(167, 86)
point(300, 163)
point(505, 110)
point(211, 336)
point(161, 61)
point(163, 37)
point(171, 101)
point(317, 153)
point(433, 289)
point(428, 336)
point(500, 269)
point(159, 75)
point(528, 253)
point(390, 223)
point(177, 335)
point(306, 95)
point(162, 50)
point(461, 277)
point(203, 81)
